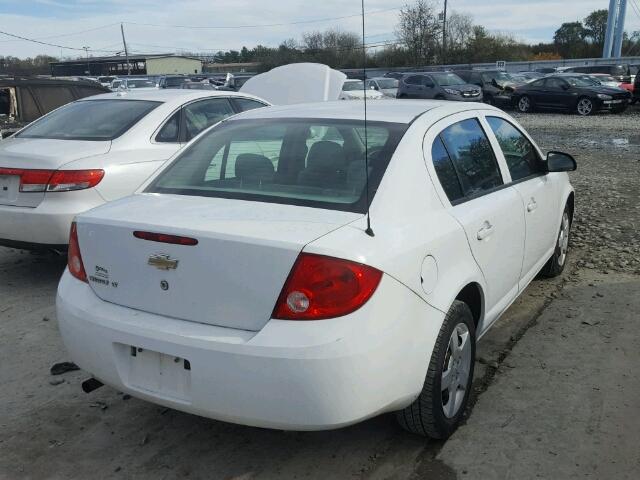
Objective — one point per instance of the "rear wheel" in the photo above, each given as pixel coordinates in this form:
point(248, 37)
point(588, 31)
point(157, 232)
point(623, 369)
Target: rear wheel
point(439, 408)
point(584, 106)
point(524, 104)
point(556, 263)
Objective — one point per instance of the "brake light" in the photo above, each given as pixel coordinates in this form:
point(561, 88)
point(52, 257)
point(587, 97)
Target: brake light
point(68, 180)
point(321, 287)
point(164, 238)
point(74, 259)
point(54, 180)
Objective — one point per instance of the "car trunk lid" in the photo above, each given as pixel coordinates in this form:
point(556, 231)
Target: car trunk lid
point(17, 154)
point(231, 278)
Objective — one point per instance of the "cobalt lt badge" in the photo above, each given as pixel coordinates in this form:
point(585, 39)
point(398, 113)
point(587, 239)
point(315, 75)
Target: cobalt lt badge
point(162, 261)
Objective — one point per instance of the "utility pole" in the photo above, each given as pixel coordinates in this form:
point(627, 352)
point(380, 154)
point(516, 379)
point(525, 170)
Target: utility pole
point(86, 50)
point(126, 52)
point(444, 33)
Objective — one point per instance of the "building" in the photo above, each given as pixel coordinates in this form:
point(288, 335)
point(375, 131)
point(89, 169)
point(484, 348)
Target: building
point(247, 67)
point(160, 64)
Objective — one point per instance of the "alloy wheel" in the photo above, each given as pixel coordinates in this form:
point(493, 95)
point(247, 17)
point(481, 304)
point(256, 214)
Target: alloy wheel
point(524, 104)
point(585, 106)
point(455, 371)
point(563, 239)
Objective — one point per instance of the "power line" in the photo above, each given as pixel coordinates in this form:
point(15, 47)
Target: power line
point(50, 44)
point(68, 34)
point(228, 27)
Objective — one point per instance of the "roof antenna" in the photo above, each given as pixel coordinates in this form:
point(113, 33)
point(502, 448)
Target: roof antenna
point(369, 230)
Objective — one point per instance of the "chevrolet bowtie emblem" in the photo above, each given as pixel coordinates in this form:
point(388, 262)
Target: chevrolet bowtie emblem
point(162, 262)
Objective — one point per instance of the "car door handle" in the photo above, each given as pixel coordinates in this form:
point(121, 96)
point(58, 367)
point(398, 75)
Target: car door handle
point(531, 206)
point(486, 231)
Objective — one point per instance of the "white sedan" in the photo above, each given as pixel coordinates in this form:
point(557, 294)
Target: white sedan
point(252, 281)
point(95, 150)
point(356, 90)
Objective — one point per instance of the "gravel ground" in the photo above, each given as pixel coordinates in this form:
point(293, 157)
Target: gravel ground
point(50, 429)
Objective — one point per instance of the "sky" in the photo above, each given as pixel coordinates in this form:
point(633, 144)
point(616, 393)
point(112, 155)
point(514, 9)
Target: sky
point(157, 26)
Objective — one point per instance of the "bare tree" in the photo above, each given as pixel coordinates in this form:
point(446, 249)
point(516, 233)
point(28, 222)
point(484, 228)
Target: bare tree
point(420, 30)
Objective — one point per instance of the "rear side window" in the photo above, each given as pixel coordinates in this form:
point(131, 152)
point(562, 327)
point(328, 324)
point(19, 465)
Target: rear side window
point(472, 157)
point(170, 131)
point(518, 151)
point(413, 80)
point(445, 171)
point(201, 115)
point(52, 97)
point(93, 120)
point(244, 104)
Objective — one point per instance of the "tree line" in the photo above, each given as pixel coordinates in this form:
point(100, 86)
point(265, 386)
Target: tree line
point(421, 39)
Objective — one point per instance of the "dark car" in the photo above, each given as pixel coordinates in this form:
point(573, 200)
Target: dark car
point(172, 81)
point(25, 99)
point(497, 85)
point(619, 72)
point(439, 86)
point(197, 86)
point(571, 93)
point(636, 88)
point(396, 75)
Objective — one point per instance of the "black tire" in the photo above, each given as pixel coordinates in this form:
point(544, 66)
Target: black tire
point(555, 265)
point(426, 416)
point(524, 104)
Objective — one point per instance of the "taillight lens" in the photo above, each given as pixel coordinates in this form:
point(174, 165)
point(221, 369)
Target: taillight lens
point(54, 180)
point(74, 259)
point(67, 180)
point(322, 287)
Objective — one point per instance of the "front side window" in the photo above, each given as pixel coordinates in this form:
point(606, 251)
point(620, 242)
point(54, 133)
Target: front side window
point(413, 80)
point(472, 157)
point(518, 151)
point(201, 115)
point(93, 120)
point(317, 163)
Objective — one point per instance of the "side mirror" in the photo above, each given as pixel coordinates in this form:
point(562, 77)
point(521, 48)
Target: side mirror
point(373, 87)
point(560, 162)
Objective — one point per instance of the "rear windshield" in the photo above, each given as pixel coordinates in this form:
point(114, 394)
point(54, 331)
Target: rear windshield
point(94, 120)
point(315, 163)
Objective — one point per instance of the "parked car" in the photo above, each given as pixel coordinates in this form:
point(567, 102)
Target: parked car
point(93, 151)
point(356, 90)
point(636, 89)
point(132, 83)
point(530, 75)
point(439, 86)
point(25, 99)
point(387, 86)
point(106, 81)
point(172, 81)
point(572, 93)
point(198, 86)
point(254, 280)
point(619, 72)
point(497, 86)
point(396, 75)
point(606, 80)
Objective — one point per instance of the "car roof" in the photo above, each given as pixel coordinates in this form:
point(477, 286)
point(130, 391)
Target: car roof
point(172, 96)
point(393, 111)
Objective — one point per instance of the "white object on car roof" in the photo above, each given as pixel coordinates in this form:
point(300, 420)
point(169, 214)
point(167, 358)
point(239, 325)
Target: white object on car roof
point(296, 83)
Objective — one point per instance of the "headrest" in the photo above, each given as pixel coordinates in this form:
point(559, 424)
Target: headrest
point(251, 166)
point(325, 154)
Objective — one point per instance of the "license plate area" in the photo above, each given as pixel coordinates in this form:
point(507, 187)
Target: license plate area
point(159, 374)
point(9, 185)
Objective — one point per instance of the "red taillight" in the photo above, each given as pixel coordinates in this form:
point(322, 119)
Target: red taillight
point(74, 259)
point(321, 287)
point(54, 180)
point(164, 238)
point(67, 180)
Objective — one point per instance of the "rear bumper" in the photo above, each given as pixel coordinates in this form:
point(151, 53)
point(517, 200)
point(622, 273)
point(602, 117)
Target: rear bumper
point(47, 225)
point(290, 375)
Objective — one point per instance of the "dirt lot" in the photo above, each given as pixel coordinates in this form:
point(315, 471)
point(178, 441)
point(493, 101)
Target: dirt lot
point(556, 391)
